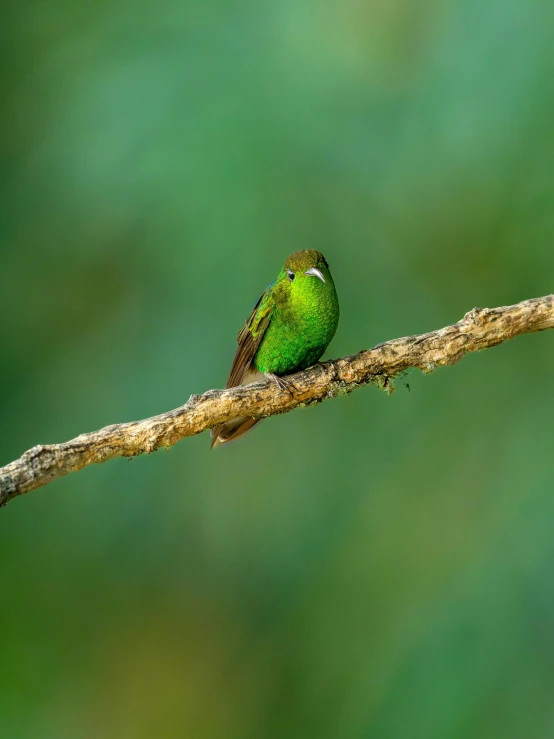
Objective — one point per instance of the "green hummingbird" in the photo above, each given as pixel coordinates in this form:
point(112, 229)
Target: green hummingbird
point(288, 330)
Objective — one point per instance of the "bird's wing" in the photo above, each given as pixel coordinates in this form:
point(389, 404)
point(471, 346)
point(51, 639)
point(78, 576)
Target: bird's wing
point(250, 337)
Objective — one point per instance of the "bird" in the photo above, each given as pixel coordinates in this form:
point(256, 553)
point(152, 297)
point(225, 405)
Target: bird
point(288, 330)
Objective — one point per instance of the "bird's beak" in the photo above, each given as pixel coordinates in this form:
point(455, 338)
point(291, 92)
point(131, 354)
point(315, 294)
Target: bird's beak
point(315, 273)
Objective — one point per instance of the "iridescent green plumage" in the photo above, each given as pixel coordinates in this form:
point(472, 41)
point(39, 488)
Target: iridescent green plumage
point(288, 330)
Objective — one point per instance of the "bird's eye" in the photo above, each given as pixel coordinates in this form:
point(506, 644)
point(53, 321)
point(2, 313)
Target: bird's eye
point(290, 274)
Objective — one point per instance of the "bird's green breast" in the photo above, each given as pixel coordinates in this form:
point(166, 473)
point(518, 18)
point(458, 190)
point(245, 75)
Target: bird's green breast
point(301, 327)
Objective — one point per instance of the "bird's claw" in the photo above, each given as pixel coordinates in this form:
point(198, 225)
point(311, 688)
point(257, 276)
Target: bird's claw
point(282, 384)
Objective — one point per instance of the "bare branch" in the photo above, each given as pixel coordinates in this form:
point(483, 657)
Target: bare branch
point(479, 329)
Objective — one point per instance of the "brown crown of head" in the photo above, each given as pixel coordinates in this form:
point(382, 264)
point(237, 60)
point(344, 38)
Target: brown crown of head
point(300, 261)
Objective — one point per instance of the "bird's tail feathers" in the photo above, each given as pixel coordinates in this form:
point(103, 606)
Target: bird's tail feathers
point(232, 430)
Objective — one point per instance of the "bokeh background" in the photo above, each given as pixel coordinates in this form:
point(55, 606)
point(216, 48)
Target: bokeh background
point(377, 567)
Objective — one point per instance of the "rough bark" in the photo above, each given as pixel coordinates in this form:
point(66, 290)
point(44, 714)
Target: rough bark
point(479, 329)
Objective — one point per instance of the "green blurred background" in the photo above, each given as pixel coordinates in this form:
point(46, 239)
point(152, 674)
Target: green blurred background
point(375, 567)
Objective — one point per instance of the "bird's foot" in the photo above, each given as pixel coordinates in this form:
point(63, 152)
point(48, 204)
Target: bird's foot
point(282, 384)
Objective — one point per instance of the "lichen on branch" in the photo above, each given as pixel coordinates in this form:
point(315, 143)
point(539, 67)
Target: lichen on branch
point(480, 328)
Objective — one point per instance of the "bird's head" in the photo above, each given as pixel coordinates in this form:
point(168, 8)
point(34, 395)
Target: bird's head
point(306, 274)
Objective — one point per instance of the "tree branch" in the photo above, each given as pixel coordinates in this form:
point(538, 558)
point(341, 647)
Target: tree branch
point(479, 329)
